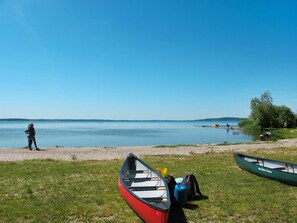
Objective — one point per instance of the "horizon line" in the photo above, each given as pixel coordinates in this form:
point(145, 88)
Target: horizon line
point(118, 120)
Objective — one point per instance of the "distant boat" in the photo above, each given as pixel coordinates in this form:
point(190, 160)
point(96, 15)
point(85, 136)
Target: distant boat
point(145, 190)
point(272, 169)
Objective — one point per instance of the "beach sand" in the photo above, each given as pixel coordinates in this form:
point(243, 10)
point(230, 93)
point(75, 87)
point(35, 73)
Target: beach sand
point(110, 153)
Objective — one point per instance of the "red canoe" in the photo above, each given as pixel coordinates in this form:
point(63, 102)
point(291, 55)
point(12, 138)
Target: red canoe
point(144, 190)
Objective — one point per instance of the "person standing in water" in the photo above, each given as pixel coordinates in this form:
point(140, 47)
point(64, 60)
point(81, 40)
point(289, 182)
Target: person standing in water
point(30, 131)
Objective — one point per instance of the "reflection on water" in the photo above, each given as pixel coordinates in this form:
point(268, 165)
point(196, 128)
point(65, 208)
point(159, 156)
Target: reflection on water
point(117, 133)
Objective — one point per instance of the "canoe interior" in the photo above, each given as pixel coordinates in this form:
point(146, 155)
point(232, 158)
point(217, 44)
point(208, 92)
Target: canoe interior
point(145, 183)
point(271, 164)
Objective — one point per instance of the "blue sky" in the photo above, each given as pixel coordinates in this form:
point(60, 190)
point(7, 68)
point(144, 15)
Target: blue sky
point(145, 59)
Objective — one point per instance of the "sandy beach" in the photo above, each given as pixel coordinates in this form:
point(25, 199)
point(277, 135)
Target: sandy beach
point(109, 153)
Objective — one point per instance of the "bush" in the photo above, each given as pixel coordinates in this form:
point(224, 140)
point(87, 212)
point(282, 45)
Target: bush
point(250, 127)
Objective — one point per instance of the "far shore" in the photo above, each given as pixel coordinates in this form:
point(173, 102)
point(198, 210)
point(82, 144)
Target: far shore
point(110, 153)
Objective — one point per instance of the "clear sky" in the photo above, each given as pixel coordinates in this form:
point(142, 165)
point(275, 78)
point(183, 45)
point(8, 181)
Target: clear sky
point(145, 59)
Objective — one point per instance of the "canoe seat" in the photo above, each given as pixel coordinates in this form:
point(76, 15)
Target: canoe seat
point(142, 179)
point(255, 161)
point(147, 188)
point(275, 166)
point(150, 193)
point(136, 171)
point(280, 168)
point(155, 199)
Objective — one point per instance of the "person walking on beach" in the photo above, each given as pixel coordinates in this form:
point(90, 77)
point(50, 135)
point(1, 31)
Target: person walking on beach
point(30, 131)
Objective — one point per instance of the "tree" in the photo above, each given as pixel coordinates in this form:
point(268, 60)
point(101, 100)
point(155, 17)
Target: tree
point(285, 114)
point(262, 111)
point(266, 115)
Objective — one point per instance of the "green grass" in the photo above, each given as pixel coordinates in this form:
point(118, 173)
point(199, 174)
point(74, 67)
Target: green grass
point(284, 133)
point(87, 191)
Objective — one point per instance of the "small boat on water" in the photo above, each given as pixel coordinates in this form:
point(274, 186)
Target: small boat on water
point(272, 169)
point(144, 190)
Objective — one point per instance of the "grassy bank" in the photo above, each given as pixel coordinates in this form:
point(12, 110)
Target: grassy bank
point(284, 133)
point(250, 127)
point(87, 191)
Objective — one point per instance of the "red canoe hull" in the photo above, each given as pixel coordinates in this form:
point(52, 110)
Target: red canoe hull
point(143, 210)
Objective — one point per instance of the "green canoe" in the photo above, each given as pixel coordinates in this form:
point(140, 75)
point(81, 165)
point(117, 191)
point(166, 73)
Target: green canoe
point(272, 169)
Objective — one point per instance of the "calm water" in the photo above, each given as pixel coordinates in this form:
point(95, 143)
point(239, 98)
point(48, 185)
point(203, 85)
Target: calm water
point(116, 133)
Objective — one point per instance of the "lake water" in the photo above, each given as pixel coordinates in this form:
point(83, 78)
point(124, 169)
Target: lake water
point(50, 133)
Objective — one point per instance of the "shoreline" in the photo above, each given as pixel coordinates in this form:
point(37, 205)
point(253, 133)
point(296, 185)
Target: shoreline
point(111, 153)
